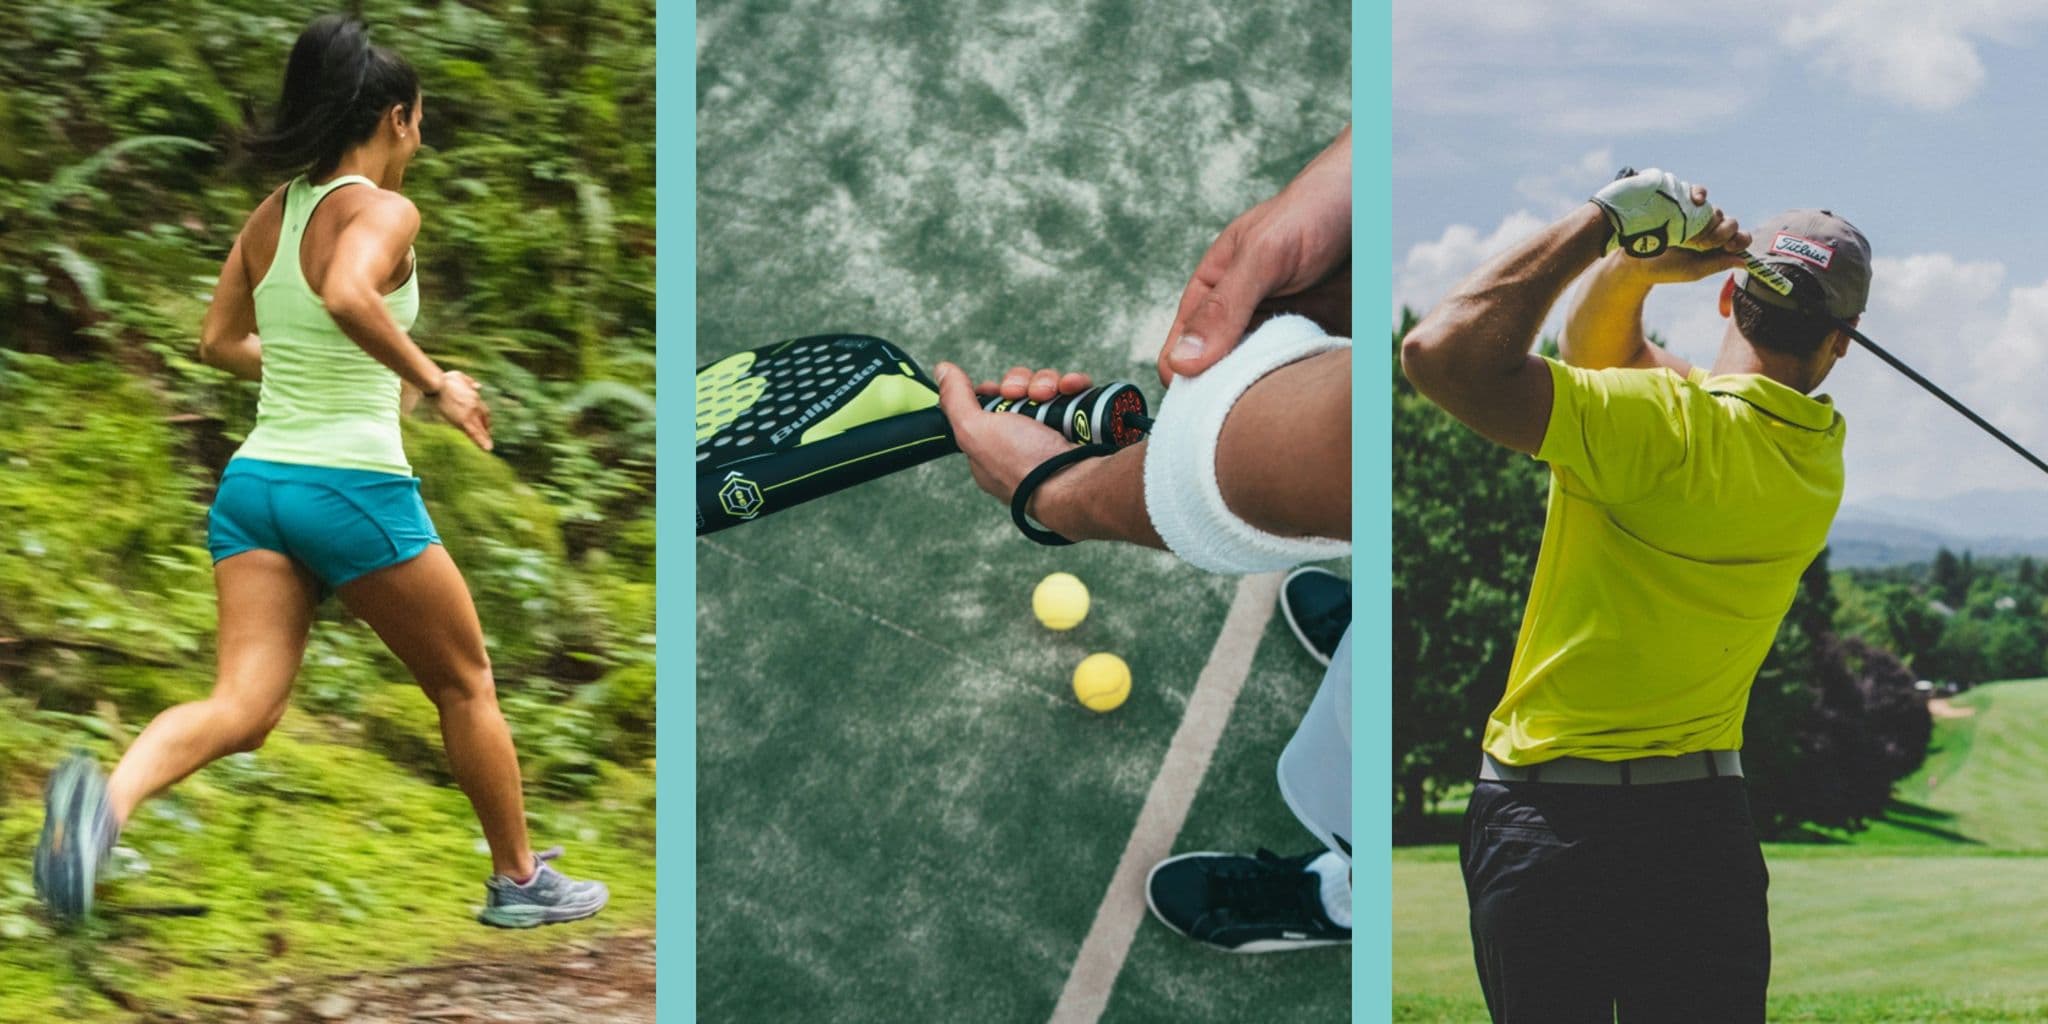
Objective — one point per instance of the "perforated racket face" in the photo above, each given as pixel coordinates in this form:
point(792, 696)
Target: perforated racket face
point(724, 392)
point(759, 402)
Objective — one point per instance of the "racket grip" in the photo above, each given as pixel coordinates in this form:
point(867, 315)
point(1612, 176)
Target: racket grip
point(1113, 413)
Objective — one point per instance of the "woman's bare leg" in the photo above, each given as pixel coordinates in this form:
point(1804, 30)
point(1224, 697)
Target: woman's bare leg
point(266, 609)
point(423, 612)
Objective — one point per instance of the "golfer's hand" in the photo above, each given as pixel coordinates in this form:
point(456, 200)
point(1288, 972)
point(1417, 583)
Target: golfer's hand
point(1719, 247)
point(460, 403)
point(1003, 447)
point(1652, 211)
point(1292, 243)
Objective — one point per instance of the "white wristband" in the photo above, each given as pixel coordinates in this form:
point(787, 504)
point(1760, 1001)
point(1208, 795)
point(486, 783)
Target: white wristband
point(1182, 495)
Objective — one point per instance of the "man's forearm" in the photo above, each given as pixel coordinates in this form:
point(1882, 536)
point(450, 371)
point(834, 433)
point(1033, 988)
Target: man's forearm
point(1283, 465)
point(1470, 355)
point(1100, 499)
point(1489, 323)
point(1604, 326)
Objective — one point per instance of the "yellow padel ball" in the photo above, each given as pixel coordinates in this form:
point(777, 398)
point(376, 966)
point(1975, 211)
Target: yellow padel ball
point(1060, 601)
point(1102, 681)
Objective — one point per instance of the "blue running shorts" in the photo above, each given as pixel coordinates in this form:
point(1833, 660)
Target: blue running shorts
point(340, 523)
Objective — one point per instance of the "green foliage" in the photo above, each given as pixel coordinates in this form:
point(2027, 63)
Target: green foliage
point(100, 540)
point(1958, 619)
point(401, 723)
point(1467, 518)
point(122, 189)
point(1833, 723)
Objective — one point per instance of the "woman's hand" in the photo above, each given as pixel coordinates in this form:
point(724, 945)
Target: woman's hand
point(460, 402)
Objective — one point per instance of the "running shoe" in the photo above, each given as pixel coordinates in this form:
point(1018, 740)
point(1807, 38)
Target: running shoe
point(549, 897)
point(1317, 603)
point(1238, 904)
point(78, 834)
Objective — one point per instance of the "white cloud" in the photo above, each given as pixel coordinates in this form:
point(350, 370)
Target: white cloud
point(1959, 325)
point(1609, 67)
point(1597, 68)
point(1918, 54)
point(1581, 90)
point(1932, 280)
point(1557, 191)
point(1432, 269)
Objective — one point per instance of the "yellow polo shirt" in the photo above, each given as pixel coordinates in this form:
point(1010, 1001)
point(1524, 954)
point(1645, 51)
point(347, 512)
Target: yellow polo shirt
point(1682, 512)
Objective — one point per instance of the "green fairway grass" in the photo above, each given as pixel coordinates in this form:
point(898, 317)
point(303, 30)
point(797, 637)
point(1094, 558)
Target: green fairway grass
point(904, 815)
point(1932, 914)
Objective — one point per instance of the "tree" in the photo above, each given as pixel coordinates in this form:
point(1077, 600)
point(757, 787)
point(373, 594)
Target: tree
point(1867, 730)
point(1914, 627)
point(1782, 697)
point(1832, 723)
point(1467, 519)
point(1951, 577)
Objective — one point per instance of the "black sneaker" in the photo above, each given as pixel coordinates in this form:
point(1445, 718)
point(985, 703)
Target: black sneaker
point(1239, 904)
point(1317, 603)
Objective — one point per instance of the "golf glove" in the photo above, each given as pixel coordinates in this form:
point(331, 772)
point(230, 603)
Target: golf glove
point(1650, 212)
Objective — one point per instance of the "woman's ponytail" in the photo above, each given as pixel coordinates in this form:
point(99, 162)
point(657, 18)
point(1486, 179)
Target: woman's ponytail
point(337, 86)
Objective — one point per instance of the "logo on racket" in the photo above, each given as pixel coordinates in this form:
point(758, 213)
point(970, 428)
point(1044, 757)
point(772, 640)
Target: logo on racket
point(740, 496)
point(1081, 431)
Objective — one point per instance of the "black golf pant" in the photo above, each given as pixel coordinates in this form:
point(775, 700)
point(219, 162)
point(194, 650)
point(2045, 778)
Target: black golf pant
point(1595, 903)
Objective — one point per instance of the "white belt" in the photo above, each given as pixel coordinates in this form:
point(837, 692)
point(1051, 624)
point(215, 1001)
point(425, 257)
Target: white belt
point(1638, 771)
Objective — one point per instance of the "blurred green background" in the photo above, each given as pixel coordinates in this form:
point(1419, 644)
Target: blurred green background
point(341, 845)
point(903, 813)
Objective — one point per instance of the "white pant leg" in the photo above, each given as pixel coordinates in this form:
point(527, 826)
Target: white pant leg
point(1315, 769)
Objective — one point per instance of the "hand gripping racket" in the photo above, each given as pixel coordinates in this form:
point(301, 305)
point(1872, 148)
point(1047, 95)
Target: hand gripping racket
point(783, 424)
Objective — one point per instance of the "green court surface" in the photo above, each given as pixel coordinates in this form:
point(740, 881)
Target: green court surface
point(903, 813)
point(1932, 914)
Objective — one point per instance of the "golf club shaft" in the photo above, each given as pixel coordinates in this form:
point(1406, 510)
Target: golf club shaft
point(1782, 285)
point(1914, 376)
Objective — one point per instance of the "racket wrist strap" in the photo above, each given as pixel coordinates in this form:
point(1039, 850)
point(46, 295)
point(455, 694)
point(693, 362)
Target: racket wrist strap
point(1021, 500)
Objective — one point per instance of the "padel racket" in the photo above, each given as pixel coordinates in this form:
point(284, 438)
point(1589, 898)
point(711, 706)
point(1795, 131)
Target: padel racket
point(780, 425)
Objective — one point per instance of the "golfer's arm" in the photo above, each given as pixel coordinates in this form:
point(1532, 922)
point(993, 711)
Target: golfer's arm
point(227, 336)
point(1283, 463)
point(370, 249)
point(1471, 356)
point(1604, 324)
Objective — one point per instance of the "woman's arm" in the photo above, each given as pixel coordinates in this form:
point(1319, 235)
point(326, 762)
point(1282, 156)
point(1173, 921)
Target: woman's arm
point(371, 249)
point(227, 337)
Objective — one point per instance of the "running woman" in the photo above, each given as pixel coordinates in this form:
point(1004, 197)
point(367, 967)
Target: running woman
point(314, 301)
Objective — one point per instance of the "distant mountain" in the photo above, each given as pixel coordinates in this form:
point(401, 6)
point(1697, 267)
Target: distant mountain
point(1897, 531)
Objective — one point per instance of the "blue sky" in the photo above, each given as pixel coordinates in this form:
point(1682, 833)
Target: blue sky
point(1921, 122)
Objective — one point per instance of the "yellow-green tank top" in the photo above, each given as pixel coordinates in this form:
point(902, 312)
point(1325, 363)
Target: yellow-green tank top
point(324, 401)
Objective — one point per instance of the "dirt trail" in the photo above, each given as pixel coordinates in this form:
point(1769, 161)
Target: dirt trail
point(608, 980)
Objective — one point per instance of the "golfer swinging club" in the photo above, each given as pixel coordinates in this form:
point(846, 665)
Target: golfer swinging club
point(315, 301)
point(1609, 858)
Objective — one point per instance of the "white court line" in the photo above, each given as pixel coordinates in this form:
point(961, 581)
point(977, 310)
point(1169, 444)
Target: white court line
point(1166, 805)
